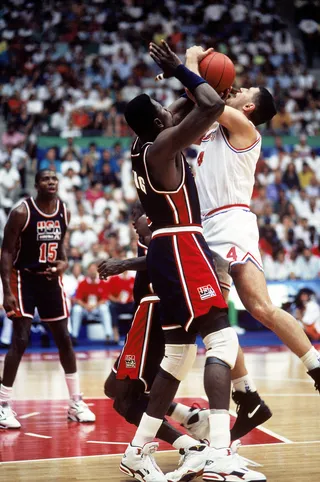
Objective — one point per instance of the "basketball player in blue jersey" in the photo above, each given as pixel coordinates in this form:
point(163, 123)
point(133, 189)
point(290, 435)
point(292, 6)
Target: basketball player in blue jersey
point(33, 260)
point(182, 273)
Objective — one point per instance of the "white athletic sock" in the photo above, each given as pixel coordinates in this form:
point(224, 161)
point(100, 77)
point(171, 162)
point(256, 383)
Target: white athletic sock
point(219, 421)
point(311, 359)
point(184, 442)
point(147, 430)
point(73, 383)
point(244, 384)
point(180, 412)
point(5, 394)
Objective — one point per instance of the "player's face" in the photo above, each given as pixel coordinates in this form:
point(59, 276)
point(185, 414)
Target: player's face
point(163, 114)
point(243, 97)
point(48, 183)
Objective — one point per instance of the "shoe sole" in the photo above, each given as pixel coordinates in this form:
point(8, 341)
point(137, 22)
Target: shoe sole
point(210, 478)
point(73, 418)
point(189, 477)
point(131, 473)
point(251, 423)
point(2, 427)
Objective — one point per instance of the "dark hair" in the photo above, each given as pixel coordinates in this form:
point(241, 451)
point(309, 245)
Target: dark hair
point(265, 107)
point(40, 174)
point(140, 114)
point(137, 206)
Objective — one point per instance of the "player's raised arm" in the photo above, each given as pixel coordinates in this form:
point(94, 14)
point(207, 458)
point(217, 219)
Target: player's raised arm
point(209, 105)
point(12, 231)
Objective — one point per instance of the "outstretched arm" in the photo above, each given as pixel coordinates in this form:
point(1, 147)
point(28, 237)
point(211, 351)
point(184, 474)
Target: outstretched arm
point(209, 106)
point(112, 267)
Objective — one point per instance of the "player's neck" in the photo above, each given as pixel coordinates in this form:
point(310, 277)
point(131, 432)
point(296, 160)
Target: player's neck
point(47, 205)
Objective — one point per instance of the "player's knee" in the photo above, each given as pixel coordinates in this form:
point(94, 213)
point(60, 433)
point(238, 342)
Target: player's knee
point(264, 312)
point(110, 386)
point(222, 345)
point(20, 343)
point(178, 360)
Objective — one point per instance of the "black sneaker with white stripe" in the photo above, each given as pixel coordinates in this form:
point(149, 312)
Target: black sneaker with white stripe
point(252, 411)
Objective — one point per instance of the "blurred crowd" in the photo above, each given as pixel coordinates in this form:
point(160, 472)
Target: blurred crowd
point(68, 68)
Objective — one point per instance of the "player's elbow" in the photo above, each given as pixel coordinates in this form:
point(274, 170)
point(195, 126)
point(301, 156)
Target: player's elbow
point(214, 109)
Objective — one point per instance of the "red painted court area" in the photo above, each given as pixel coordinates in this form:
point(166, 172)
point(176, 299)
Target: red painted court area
point(47, 434)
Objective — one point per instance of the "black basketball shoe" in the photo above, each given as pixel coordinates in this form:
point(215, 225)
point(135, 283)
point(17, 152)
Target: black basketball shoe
point(251, 410)
point(315, 374)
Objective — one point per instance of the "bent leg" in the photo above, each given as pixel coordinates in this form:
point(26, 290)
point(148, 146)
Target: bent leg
point(252, 290)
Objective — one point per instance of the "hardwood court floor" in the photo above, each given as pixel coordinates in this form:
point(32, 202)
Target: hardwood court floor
point(48, 448)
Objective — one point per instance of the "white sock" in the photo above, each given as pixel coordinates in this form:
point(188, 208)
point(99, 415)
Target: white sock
point(311, 359)
point(73, 383)
point(180, 413)
point(147, 430)
point(185, 442)
point(5, 394)
point(219, 421)
point(244, 384)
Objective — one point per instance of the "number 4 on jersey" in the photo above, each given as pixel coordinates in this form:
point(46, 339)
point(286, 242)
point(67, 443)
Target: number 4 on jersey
point(232, 254)
point(48, 252)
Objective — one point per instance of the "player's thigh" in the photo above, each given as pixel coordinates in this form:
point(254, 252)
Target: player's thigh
point(51, 300)
point(251, 286)
point(24, 288)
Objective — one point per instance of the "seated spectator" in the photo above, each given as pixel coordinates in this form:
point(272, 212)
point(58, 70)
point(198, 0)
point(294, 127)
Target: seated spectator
point(308, 265)
point(71, 280)
point(307, 310)
point(83, 238)
point(107, 177)
point(121, 301)
point(94, 193)
point(70, 148)
point(59, 120)
point(303, 148)
point(95, 255)
point(90, 302)
point(290, 177)
point(313, 188)
point(9, 185)
point(12, 137)
point(107, 201)
point(80, 216)
point(69, 181)
point(281, 269)
point(259, 203)
point(70, 162)
point(281, 122)
point(51, 161)
point(305, 175)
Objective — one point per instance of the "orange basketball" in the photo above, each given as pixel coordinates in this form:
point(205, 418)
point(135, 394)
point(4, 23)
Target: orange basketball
point(218, 70)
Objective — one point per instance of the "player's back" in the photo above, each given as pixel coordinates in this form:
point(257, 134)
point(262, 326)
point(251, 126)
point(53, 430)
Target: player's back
point(41, 237)
point(224, 174)
point(165, 208)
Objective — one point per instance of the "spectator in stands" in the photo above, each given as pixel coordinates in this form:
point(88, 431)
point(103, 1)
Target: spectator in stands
point(12, 137)
point(9, 185)
point(69, 181)
point(70, 148)
point(308, 265)
point(90, 302)
point(259, 203)
point(83, 238)
point(121, 301)
point(59, 120)
point(307, 310)
point(51, 161)
point(96, 254)
point(107, 201)
point(290, 177)
point(281, 268)
point(107, 177)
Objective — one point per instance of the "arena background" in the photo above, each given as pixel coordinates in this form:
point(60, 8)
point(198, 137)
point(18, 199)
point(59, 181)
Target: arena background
point(67, 70)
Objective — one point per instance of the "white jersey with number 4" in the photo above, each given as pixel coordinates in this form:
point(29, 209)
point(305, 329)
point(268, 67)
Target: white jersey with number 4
point(225, 180)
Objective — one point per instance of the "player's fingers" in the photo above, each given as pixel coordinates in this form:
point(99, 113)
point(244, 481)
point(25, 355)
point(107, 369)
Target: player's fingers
point(155, 48)
point(11, 313)
point(208, 51)
point(156, 58)
point(166, 46)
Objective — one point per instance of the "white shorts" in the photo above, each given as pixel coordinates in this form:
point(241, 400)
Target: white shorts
point(233, 238)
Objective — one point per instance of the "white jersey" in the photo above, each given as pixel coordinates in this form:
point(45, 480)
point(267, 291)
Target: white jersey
point(224, 174)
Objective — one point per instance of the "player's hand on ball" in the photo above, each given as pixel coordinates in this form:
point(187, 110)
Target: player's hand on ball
point(56, 269)
point(197, 53)
point(167, 60)
point(110, 267)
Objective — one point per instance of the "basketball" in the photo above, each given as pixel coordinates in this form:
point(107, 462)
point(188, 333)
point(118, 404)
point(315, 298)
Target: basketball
point(218, 70)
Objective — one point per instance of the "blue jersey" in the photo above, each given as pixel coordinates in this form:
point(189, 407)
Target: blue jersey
point(165, 208)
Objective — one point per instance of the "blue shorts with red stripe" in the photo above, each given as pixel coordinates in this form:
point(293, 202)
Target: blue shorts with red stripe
point(182, 273)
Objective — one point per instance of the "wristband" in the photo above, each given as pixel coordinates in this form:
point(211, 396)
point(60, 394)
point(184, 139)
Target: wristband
point(189, 79)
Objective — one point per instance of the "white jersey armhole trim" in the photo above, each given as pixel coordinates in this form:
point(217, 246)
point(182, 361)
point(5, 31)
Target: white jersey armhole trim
point(243, 150)
point(28, 216)
point(149, 181)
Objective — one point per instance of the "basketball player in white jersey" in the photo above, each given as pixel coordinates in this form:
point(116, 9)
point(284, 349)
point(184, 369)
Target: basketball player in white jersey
point(225, 177)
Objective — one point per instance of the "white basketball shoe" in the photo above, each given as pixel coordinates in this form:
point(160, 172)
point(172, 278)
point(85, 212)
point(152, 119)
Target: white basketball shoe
point(191, 464)
point(139, 463)
point(8, 417)
point(197, 423)
point(80, 412)
point(227, 466)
